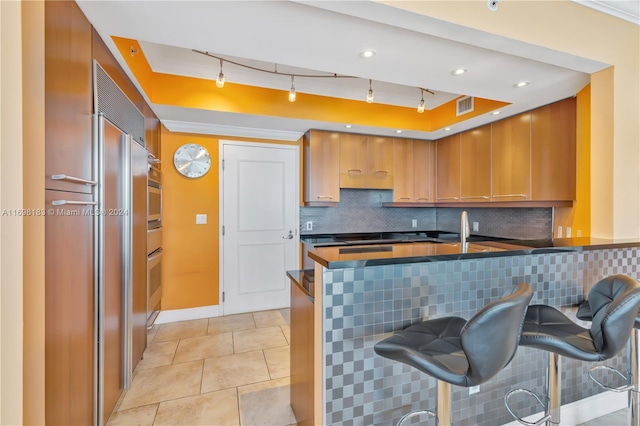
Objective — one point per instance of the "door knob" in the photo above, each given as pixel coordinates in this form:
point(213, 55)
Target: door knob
point(290, 236)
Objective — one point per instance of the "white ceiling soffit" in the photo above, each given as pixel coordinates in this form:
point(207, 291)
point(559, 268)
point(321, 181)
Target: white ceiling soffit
point(629, 10)
point(411, 51)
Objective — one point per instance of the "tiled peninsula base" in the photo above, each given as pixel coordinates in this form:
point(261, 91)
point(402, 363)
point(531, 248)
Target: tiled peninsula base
point(363, 305)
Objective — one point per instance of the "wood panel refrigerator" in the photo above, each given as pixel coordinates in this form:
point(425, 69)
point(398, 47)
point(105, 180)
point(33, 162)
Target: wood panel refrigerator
point(121, 262)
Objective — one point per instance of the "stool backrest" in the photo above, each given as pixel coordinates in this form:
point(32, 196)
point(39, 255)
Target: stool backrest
point(490, 338)
point(614, 303)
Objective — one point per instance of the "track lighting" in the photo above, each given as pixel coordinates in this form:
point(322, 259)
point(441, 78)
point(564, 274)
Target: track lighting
point(421, 104)
point(292, 92)
point(370, 93)
point(220, 79)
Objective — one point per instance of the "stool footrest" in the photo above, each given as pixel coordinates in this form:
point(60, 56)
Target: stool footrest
point(623, 388)
point(413, 414)
point(546, 417)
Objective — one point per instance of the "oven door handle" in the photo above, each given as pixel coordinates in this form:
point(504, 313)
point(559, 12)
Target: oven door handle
point(155, 256)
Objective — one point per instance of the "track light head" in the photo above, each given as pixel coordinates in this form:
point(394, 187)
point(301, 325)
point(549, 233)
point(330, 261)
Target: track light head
point(292, 92)
point(370, 93)
point(220, 79)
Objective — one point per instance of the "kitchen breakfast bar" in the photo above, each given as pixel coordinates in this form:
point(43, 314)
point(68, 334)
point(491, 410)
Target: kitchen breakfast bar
point(357, 295)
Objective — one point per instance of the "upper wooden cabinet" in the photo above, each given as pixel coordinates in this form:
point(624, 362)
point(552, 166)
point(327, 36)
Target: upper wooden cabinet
point(152, 131)
point(68, 97)
point(366, 162)
point(354, 161)
point(553, 151)
point(448, 169)
point(510, 158)
point(322, 167)
point(475, 165)
point(413, 171)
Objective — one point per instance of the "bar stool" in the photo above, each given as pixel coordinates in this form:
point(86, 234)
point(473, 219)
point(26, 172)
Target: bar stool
point(460, 352)
point(615, 301)
point(633, 375)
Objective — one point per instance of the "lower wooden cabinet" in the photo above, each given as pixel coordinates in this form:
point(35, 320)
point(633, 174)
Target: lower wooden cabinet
point(69, 311)
point(302, 356)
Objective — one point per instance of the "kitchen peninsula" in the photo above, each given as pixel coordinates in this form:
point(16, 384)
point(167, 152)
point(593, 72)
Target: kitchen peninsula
point(359, 294)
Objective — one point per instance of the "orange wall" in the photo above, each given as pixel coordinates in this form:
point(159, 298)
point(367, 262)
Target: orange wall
point(579, 216)
point(190, 262)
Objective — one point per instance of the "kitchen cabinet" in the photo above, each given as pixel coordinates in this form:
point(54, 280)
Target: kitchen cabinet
point(553, 151)
point(448, 169)
point(413, 168)
point(302, 356)
point(510, 158)
point(322, 168)
point(475, 165)
point(152, 132)
point(68, 98)
point(69, 310)
point(366, 162)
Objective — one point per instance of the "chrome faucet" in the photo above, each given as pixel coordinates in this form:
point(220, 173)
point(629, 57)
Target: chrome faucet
point(464, 230)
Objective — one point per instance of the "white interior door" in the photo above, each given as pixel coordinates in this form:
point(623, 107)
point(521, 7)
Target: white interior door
point(260, 218)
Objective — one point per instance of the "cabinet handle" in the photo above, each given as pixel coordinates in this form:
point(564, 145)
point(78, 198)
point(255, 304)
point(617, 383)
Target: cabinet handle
point(404, 198)
point(422, 198)
point(73, 203)
point(510, 195)
point(74, 179)
point(483, 197)
point(326, 196)
point(354, 170)
point(447, 198)
point(383, 171)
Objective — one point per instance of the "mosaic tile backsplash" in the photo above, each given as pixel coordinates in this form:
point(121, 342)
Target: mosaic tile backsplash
point(365, 305)
point(360, 210)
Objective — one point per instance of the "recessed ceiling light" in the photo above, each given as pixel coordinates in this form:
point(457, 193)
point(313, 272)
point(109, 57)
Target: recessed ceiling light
point(348, 126)
point(447, 128)
point(522, 84)
point(459, 71)
point(368, 53)
point(398, 131)
point(495, 112)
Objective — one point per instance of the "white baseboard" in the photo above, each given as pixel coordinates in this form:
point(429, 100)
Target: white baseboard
point(586, 409)
point(188, 314)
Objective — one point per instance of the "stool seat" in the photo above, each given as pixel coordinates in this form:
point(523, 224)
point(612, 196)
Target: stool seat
point(460, 352)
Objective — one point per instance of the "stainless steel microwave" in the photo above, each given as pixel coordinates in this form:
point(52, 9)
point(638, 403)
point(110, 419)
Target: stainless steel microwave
point(154, 199)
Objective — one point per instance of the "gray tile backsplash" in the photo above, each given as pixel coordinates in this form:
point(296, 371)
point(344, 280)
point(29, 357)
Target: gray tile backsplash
point(360, 210)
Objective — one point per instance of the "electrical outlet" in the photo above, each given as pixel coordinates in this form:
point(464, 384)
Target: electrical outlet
point(309, 226)
point(414, 223)
point(559, 231)
point(568, 232)
point(474, 389)
point(476, 227)
point(201, 219)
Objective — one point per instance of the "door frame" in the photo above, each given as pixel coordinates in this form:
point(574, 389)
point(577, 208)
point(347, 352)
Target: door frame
point(221, 144)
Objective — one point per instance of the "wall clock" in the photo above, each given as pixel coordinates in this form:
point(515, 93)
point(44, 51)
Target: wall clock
point(192, 160)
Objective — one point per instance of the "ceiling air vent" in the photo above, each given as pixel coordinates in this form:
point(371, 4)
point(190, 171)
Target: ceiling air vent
point(464, 105)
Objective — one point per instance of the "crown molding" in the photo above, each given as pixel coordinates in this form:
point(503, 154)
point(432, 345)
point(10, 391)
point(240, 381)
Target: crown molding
point(222, 130)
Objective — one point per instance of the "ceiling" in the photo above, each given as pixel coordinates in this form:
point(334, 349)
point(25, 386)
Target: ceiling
point(411, 51)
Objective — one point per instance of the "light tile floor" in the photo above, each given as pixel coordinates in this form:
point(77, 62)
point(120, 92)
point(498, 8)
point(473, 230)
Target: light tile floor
point(231, 370)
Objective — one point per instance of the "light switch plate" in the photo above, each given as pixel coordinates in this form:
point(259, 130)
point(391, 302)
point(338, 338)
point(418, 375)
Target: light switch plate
point(559, 231)
point(201, 219)
point(309, 226)
point(568, 232)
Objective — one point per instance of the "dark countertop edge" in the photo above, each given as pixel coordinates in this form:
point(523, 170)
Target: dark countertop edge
point(298, 277)
point(437, 258)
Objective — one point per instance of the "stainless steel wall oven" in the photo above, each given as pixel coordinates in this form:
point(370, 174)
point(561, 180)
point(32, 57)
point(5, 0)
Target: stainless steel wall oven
point(154, 199)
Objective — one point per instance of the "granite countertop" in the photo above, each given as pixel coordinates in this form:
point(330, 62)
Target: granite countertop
point(354, 256)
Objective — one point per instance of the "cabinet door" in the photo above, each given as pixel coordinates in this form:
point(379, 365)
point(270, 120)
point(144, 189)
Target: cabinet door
point(152, 131)
point(510, 158)
point(380, 172)
point(354, 161)
point(68, 96)
point(69, 311)
point(403, 179)
point(448, 169)
point(553, 151)
point(322, 167)
point(475, 165)
point(423, 156)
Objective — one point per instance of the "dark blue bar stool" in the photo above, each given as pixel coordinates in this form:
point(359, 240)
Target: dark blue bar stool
point(614, 301)
point(460, 352)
